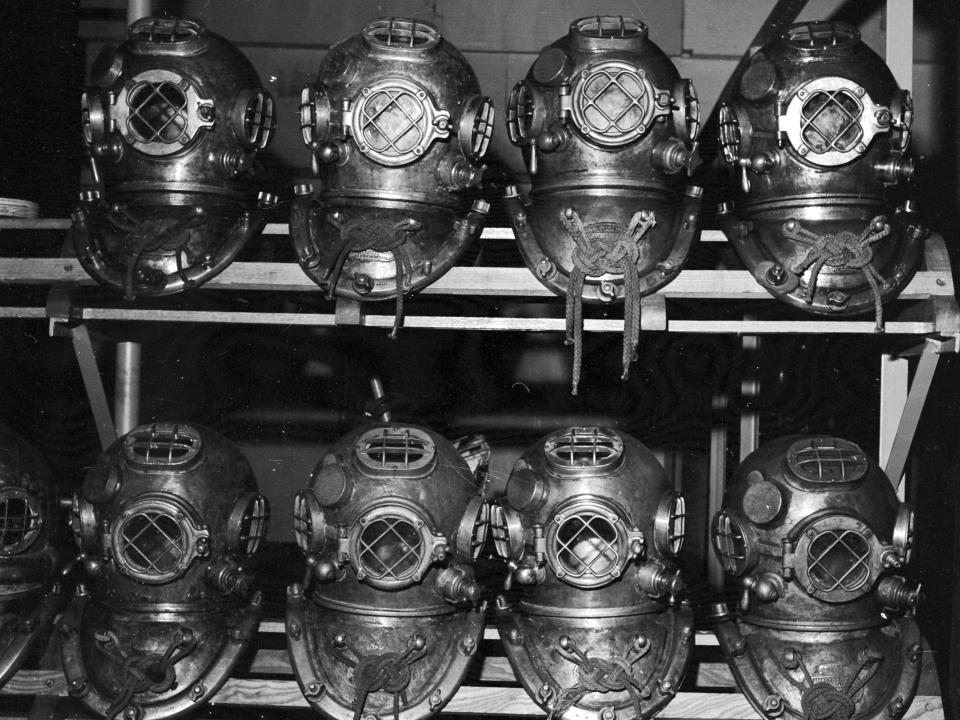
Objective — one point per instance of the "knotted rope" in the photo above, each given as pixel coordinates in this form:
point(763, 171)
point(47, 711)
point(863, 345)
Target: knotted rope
point(842, 250)
point(386, 672)
point(595, 255)
point(600, 675)
point(820, 700)
point(146, 236)
point(144, 672)
point(357, 236)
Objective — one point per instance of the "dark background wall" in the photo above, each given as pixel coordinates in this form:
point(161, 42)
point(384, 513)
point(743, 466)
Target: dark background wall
point(285, 393)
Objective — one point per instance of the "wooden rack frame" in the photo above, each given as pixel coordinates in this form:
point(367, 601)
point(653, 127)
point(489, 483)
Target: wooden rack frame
point(932, 316)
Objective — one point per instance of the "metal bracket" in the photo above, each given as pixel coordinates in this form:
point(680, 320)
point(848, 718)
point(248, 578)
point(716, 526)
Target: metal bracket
point(348, 312)
point(653, 312)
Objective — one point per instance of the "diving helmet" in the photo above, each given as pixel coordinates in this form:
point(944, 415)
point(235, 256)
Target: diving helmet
point(172, 125)
point(389, 614)
point(609, 133)
point(166, 521)
point(591, 528)
point(819, 133)
point(29, 561)
point(812, 528)
point(397, 130)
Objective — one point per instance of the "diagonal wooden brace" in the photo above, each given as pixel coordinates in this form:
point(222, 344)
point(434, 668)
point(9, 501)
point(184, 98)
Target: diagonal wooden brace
point(912, 408)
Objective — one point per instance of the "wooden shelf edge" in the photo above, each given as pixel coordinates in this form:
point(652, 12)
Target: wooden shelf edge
point(468, 699)
point(458, 281)
point(471, 323)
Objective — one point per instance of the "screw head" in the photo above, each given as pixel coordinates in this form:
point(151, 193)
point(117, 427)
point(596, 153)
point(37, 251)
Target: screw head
point(837, 300)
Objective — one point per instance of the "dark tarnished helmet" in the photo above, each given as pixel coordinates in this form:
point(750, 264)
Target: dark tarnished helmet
point(166, 521)
point(590, 528)
point(29, 561)
point(814, 531)
point(388, 617)
point(609, 130)
point(819, 132)
point(397, 129)
point(173, 124)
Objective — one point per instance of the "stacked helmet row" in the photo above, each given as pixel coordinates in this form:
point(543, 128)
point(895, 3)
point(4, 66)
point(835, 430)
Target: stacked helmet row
point(391, 610)
point(817, 134)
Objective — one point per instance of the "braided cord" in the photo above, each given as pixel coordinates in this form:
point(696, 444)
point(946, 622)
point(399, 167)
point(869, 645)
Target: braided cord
point(136, 668)
point(593, 257)
point(600, 675)
point(842, 249)
point(387, 672)
point(821, 700)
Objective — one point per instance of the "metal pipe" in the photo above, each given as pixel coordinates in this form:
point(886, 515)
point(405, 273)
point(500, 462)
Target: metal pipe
point(137, 9)
point(717, 482)
point(126, 394)
point(376, 387)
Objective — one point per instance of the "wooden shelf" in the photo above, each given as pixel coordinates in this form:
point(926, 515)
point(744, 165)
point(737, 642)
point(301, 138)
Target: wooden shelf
point(709, 698)
point(931, 292)
point(926, 307)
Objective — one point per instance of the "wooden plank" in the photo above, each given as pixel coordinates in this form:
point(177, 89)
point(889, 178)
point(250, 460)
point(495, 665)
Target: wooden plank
point(489, 233)
point(484, 281)
point(497, 670)
point(894, 383)
point(797, 327)
point(472, 699)
point(34, 223)
point(703, 638)
point(479, 323)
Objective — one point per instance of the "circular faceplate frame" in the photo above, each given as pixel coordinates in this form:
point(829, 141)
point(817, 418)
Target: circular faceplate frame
point(831, 121)
point(156, 538)
point(837, 558)
point(613, 103)
point(394, 121)
point(159, 112)
point(588, 543)
point(391, 545)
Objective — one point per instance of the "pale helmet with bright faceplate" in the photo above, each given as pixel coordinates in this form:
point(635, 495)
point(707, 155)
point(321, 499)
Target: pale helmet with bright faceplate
point(397, 130)
point(591, 528)
point(29, 560)
point(172, 125)
point(166, 521)
point(814, 531)
point(389, 614)
point(818, 133)
point(609, 131)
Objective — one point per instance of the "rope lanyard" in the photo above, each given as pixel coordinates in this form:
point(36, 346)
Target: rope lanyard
point(596, 255)
point(384, 672)
point(601, 675)
point(841, 250)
